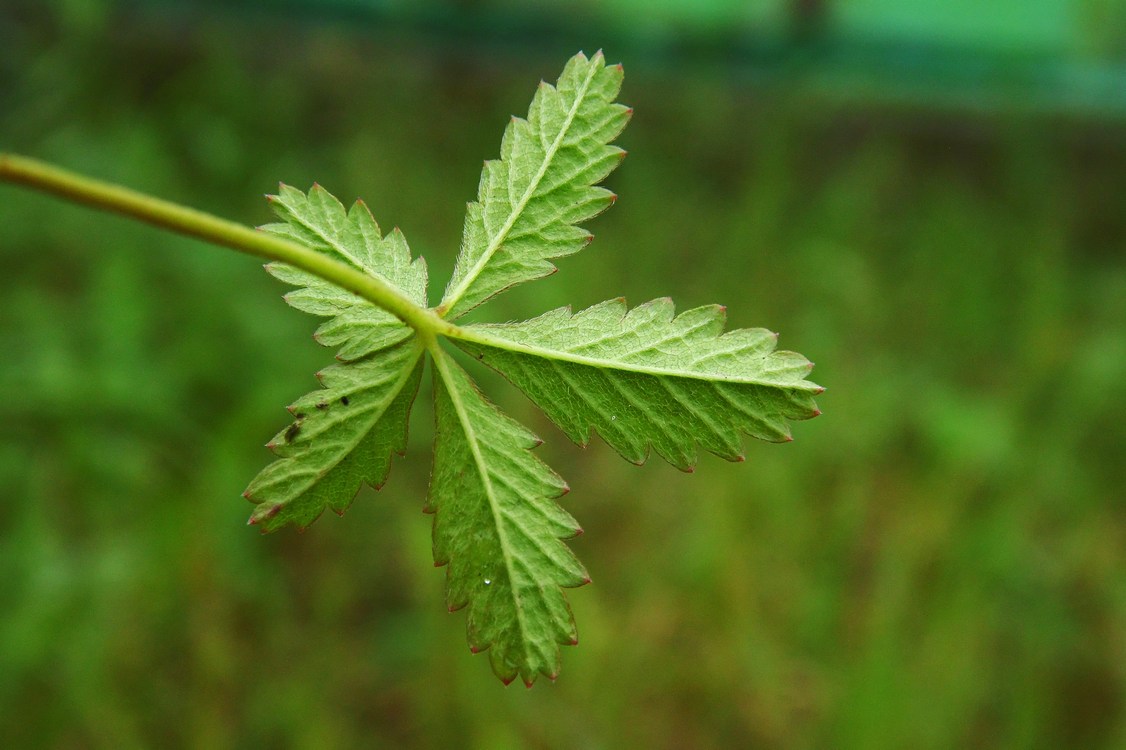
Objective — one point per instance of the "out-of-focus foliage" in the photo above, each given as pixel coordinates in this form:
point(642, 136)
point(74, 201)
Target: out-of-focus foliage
point(938, 561)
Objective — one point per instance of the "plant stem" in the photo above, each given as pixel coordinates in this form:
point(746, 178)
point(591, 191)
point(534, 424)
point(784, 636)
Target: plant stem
point(176, 218)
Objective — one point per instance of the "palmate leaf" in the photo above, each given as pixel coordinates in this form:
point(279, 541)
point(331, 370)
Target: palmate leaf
point(530, 200)
point(645, 377)
point(497, 528)
point(345, 433)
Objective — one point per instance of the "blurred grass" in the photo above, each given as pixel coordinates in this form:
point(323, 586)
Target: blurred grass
point(937, 561)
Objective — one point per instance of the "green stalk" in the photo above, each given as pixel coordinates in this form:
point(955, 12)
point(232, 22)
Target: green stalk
point(105, 196)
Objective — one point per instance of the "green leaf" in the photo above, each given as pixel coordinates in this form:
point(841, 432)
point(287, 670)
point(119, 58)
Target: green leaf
point(530, 201)
point(319, 221)
point(646, 378)
point(497, 528)
point(344, 434)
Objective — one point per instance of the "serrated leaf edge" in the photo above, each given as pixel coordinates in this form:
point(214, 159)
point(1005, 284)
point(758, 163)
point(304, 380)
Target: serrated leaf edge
point(451, 298)
point(441, 362)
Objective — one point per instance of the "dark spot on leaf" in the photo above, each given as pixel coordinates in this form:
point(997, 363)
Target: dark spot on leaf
point(291, 433)
point(299, 416)
point(344, 400)
point(322, 405)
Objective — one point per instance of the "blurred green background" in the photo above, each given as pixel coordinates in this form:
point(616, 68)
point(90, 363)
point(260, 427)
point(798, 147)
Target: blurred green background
point(928, 199)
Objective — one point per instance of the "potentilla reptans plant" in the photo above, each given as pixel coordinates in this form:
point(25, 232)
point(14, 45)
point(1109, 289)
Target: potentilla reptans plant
point(643, 378)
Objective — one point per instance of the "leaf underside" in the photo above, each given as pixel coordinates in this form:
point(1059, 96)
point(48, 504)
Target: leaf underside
point(497, 528)
point(320, 222)
point(644, 379)
point(343, 435)
point(532, 199)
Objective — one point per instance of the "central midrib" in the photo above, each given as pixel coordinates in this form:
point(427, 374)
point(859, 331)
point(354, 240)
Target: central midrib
point(474, 335)
point(471, 435)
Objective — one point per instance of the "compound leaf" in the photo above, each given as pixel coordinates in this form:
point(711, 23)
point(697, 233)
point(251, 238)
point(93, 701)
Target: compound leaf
point(643, 377)
point(531, 200)
point(497, 528)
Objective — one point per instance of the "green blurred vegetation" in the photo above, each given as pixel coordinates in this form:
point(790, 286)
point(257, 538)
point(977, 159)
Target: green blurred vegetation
point(938, 561)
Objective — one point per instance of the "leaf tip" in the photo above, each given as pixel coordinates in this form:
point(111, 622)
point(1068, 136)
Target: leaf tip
point(819, 390)
point(815, 413)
